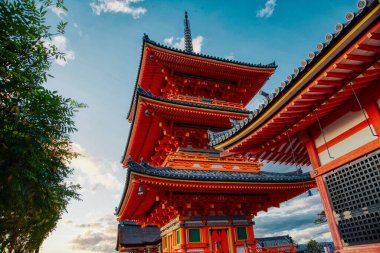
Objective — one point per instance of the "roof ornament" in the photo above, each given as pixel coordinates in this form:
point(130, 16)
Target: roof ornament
point(361, 4)
point(187, 35)
point(350, 16)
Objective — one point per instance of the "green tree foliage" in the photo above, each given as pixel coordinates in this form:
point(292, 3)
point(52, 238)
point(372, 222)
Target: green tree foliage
point(35, 124)
point(312, 247)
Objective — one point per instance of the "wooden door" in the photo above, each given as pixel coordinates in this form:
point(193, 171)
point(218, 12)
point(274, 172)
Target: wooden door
point(219, 241)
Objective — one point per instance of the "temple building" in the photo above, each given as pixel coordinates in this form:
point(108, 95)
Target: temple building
point(327, 114)
point(178, 182)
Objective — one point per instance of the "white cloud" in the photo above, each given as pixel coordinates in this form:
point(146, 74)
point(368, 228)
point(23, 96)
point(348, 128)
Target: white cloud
point(296, 218)
point(60, 41)
point(197, 43)
point(230, 56)
point(91, 173)
point(58, 11)
point(98, 236)
point(169, 40)
point(118, 6)
point(179, 43)
point(267, 11)
point(79, 30)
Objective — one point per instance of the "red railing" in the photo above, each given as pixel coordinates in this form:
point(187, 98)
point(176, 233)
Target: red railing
point(289, 248)
point(206, 101)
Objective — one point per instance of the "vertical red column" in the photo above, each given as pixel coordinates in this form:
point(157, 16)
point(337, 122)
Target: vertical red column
point(182, 232)
point(206, 237)
point(329, 213)
point(251, 238)
point(308, 142)
point(233, 238)
point(373, 112)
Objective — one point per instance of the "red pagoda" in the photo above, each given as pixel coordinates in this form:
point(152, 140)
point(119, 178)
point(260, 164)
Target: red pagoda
point(200, 201)
point(327, 114)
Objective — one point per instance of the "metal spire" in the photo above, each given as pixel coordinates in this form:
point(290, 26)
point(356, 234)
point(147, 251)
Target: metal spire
point(187, 33)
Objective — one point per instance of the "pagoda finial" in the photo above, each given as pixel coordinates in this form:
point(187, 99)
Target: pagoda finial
point(188, 39)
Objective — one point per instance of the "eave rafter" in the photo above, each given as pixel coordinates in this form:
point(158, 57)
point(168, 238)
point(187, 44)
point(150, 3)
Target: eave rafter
point(171, 203)
point(160, 65)
point(354, 70)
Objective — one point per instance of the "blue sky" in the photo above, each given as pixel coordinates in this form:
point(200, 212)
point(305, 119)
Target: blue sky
point(103, 44)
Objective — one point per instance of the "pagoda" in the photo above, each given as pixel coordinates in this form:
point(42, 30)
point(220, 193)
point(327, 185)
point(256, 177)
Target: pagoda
point(176, 180)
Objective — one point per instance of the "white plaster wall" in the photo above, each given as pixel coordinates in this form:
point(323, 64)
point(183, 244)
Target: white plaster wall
point(339, 126)
point(356, 140)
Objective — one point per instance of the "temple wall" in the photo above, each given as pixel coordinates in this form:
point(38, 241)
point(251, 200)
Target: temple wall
point(346, 145)
point(347, 182)
point(343, 137)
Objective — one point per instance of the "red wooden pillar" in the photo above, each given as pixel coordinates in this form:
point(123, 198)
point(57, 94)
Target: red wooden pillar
point(329, 213)
point(233, 238)
point(373, 112)
point(205, 236)
point(251, 238)
point(292, 249)
point(309, 144)
point(182, 232)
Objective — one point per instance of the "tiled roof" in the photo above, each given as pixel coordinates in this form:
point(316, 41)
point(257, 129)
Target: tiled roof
point(209, 175)
point(141, 91)
point(130, 234)
point(270, 65)
point(306, 64)
point(274, 241)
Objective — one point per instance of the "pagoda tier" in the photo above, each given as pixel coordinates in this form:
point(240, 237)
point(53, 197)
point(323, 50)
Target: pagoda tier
point(168, 72)
point(161, 126)
point(157, 195)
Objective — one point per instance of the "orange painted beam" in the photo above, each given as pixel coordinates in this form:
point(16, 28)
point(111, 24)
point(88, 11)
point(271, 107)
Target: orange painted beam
point(354, 154)
point(353, 130)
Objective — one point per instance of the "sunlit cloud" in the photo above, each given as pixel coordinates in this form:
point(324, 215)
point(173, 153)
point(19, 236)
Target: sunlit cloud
point(93, 174)
point(99, 236)
point(60, 41)
point(60, 12)
point(295, 217)
point(179, 42)
point(268, 10)
point(118, 6)
point(229, 57)
point(79, 30)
